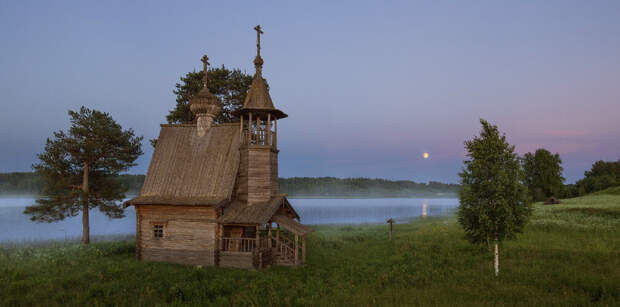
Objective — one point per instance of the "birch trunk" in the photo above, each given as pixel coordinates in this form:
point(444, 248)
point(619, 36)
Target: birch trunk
point(85, 220)
point(496, 258)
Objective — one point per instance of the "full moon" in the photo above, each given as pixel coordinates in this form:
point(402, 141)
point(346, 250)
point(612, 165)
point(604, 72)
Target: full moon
point(425, 155)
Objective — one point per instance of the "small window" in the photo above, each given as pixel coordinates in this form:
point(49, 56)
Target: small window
point(158, 231)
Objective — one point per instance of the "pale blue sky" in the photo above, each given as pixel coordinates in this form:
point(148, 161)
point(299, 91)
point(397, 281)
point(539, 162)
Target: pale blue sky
point(369, 86)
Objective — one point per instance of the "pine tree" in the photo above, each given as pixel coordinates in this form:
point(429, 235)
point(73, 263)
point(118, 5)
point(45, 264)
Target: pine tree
point(80, 168)
point(493, 199)
point(231, 86)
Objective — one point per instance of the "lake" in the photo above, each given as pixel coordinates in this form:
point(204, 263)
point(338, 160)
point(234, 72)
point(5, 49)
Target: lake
point(17, 227)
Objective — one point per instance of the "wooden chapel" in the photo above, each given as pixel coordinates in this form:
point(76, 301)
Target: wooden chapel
point(211, 193)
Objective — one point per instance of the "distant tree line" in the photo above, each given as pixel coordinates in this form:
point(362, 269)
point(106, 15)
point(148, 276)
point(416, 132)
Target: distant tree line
point(601, 176)
point(543, 177)
point(31, 183)
point(20, 183)
point(363, 187)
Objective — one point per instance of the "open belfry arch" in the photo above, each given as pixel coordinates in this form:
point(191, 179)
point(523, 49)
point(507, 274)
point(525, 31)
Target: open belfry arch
point(211, 194)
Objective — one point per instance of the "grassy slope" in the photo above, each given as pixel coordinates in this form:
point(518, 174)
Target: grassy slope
point(569, 254)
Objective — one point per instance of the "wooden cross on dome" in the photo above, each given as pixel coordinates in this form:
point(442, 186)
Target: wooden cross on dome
point(259, 31)
point(205, 65)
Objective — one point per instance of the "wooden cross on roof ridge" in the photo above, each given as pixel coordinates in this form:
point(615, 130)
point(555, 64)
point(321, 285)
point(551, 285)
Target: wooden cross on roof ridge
point(205, 65)
point(259, 31)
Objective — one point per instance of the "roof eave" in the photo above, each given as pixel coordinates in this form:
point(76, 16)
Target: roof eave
point(259, 111)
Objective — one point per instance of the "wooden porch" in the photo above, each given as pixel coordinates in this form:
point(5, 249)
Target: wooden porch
point(284, 245)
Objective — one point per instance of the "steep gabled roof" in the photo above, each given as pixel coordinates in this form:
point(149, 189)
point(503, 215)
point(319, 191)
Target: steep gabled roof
point(258, 95)
point(187, 169)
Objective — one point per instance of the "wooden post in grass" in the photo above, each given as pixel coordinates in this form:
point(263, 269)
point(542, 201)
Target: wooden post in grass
point(269, 235)
point(296, 249)
point(303, 249)
point(390, 221)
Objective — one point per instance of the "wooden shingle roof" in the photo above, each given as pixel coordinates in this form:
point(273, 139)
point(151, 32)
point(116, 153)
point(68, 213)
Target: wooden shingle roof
point(260, 213)
point(258, 100)
point(187, 169)
point(291, 224)
point(258, 96)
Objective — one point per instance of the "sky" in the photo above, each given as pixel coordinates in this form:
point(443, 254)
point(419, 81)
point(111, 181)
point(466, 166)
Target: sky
point(369, 86)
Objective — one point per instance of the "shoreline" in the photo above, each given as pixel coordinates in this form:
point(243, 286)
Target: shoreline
point(76, 240)
point(367, 196)
point(295, 196)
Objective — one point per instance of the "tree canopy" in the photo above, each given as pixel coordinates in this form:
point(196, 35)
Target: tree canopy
point(602, 175)
point(79, 169)
point(231, 86)
point(493, 199)
point(543, 174)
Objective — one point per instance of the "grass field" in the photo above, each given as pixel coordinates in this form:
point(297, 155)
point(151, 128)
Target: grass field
point(568, 255)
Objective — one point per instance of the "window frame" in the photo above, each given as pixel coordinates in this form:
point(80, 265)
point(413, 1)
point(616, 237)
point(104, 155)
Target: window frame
point(158, 230)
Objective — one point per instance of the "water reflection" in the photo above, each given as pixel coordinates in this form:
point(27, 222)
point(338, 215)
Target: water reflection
point(16, 226)
point(373, 211)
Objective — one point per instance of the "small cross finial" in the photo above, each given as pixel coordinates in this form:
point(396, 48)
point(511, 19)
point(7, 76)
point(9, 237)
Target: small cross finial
point(259, 31)
point(205, 63)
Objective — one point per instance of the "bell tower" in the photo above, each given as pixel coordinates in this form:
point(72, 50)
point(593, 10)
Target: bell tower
point(257, 180)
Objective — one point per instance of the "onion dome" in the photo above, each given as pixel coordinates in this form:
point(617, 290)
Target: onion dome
point(205, 102)
point(205, 105)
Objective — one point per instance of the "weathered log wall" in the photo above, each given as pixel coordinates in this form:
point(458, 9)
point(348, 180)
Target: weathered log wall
point(275, 186)
point(241, 183)
point(257, 180)
point(189, 235)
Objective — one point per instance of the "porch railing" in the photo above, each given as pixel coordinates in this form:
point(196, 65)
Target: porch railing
point(286, 253)
point(259, 137)
point(281, 245)
point(239, 244)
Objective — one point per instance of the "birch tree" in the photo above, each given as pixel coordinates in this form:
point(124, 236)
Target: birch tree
point(493, 199)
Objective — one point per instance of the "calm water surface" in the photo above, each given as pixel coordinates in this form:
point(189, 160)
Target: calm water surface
point(16, 226)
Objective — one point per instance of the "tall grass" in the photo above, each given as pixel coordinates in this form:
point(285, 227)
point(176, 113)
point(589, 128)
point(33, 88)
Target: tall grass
point(568, 255)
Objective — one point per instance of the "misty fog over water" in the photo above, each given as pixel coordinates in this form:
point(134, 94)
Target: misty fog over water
point(17, 227)
point(370, 210)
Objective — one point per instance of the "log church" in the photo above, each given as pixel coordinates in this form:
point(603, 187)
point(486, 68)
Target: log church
point(211, 194)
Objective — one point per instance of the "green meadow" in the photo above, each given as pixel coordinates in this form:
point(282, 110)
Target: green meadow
point(569, 254)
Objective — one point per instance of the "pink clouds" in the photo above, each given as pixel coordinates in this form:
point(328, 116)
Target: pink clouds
point(566, 133)
point(559, 147)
